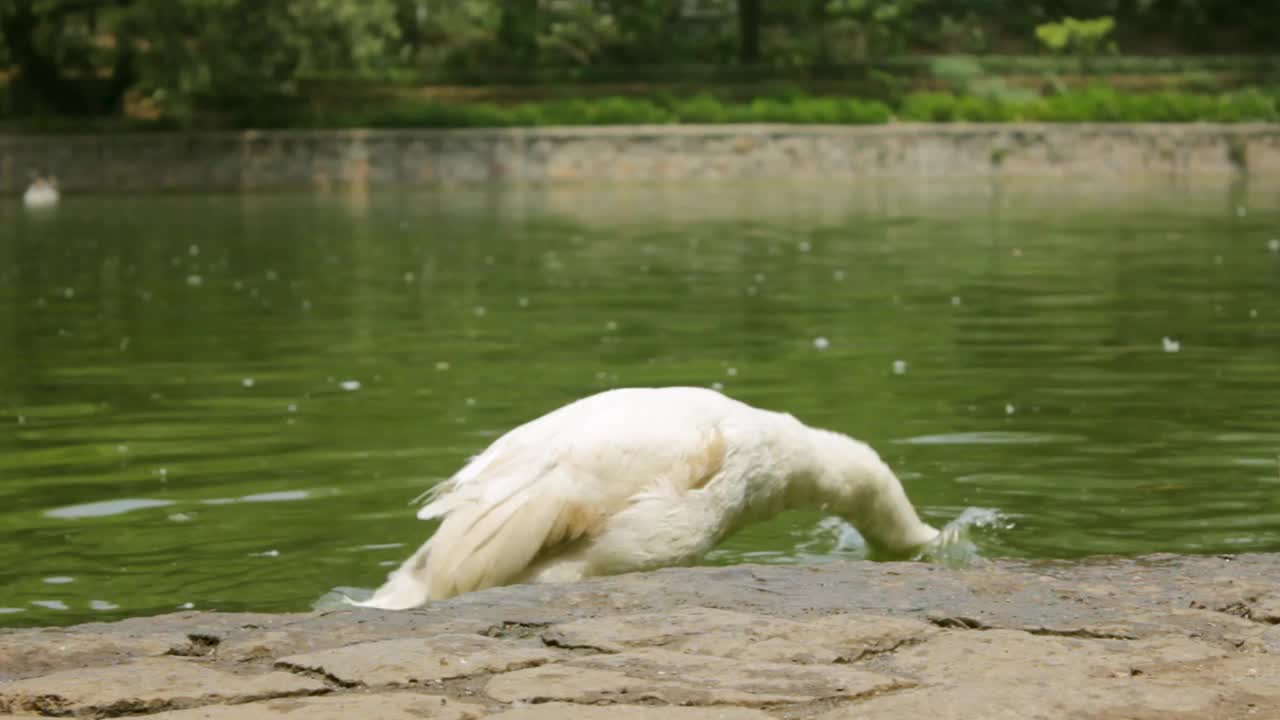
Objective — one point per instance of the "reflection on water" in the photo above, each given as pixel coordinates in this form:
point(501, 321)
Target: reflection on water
point(227, 402)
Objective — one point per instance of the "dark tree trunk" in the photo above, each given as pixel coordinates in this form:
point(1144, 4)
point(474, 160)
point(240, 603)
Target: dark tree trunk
point(748, 32)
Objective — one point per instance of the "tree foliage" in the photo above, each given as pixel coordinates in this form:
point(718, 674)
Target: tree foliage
point(84, 57)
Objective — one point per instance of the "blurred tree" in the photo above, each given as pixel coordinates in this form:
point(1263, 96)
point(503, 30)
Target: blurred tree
point(748, 32)
point(82, 56)
point(60, 55)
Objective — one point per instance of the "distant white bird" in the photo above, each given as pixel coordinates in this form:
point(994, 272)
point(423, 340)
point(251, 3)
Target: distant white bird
point(41, 193)
point(636, 479)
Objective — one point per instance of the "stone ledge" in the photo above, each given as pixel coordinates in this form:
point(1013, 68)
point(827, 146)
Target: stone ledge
point(325, 159)
point(1155, 637)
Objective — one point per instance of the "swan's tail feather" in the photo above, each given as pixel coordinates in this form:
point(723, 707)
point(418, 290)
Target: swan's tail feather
point(491, 533)
point(404, 588)
point(482, 544)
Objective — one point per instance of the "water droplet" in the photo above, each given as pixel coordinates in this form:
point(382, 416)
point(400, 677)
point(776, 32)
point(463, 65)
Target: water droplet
point(839, 275)
point(442, 366)
point(69, 293)
point(821, 343)
point(102, 605)
point(349, 385)
point(717, 386)
point(186, 606)
point(180, 517)
point(1217, 259)
point(471, 402)
point(59, 580)
point(488, 259)
point(523, 302)
point(1274, 245)
point(611, 326)
point(408, 278)
point(50, 604)
point(194, 251)
point(479, 310)
point(1241, 211)
point(731, 372)
point(759, 278)
point(900, 367)
point(1170, 345)
point(804, 246)
point(271, 275)
point(122, 449)
point(124, 344)
point(306, 306)
point(293, 408)
point(1009, 409)
point(22, 420)
point(1017, 252)
point(194, 281)
point(247, 382)
point(266, 553)
point(1253, 313)
point(955, 300)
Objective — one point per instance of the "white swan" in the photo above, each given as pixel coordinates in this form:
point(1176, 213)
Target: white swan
point(42, 193)
point(636, 479)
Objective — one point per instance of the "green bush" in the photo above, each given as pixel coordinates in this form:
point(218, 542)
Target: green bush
point(1095, 104)
point(1098, 104)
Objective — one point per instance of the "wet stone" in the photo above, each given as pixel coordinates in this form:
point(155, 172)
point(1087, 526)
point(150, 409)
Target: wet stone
point(143, 686)
point(418, 660)
point(655, 675)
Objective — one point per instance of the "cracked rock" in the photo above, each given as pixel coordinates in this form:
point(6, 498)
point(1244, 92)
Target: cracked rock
point(45, 651)
point(147, 685)
point(418, 660)
point(400, 706)
point(706, 631)
point(681, 679)
point(563, 711)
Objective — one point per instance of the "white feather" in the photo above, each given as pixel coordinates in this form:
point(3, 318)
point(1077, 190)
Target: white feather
point(636, 479)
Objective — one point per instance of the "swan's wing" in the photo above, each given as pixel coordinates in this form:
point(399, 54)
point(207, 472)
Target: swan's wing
point(541, 486)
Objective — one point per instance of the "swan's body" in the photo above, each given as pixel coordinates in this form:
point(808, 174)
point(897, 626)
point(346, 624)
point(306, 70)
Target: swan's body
point(41, 193)
point(637, 479)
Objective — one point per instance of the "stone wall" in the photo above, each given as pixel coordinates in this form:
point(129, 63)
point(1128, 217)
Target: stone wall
point(321, 159)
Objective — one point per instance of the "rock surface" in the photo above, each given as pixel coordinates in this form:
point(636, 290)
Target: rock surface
point(1156, 637)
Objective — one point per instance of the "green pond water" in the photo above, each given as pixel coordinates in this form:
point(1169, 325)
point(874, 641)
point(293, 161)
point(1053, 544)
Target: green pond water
point(227, 402)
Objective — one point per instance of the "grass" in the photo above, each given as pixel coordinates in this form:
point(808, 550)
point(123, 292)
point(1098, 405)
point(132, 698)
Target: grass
point(1097, 104)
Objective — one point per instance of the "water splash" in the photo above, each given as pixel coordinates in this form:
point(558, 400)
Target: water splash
point(954, 546)
point(341, 597)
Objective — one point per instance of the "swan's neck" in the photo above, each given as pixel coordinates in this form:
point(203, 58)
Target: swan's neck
point(841, 475)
